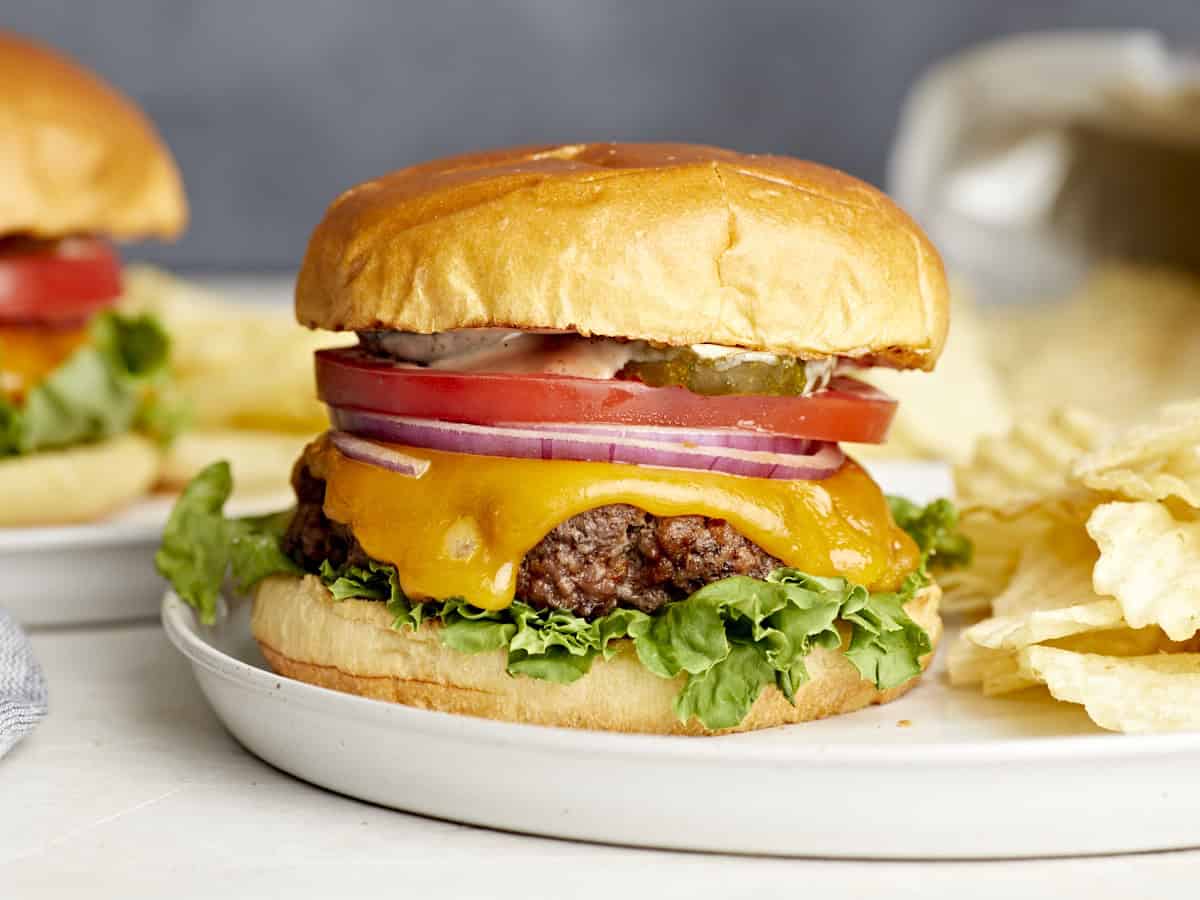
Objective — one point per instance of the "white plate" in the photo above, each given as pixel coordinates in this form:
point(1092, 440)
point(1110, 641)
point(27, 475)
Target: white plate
point(941, 773)
point(966, 777)
point(98, 572)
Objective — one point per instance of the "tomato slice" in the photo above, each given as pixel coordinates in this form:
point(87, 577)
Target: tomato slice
point(847, 410)
point(56, 281)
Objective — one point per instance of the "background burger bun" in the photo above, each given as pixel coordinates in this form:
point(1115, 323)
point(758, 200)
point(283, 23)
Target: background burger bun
point(78, 484)
point(78, 156)
point(675, 243)
point(350, 646)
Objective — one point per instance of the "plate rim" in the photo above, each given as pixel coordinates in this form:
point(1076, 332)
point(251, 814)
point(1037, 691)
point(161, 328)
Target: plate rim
point(116, 530)
point(184, 632)
point(92, 534)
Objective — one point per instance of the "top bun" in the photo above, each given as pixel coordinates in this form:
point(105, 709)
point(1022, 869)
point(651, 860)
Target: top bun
point(76, 155)
point(673, 243)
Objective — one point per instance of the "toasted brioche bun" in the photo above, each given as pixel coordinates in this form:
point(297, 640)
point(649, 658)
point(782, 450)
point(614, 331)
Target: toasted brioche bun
point(79, 484)
point(350, 646)
point(673, 243)
point(76, 155)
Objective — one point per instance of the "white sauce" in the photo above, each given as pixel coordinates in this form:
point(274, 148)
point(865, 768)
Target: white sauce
point(523, 352)
point(502, 350)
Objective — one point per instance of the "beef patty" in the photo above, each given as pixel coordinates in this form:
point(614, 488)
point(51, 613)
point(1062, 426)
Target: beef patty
point(616, 555)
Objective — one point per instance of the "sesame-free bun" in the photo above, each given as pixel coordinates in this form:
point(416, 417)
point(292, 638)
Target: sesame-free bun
point(78, 484)
point(350, 646)
point(673, 243)
point(76, 155)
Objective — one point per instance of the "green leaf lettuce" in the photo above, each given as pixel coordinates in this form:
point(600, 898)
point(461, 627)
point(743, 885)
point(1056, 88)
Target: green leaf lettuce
point(934, 528)
point(115, 382)
point(200, 546)
point(725, 642)
point(728, 640)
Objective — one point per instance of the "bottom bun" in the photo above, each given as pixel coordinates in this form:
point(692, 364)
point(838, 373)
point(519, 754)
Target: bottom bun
point(350, 646)
point(78, 484)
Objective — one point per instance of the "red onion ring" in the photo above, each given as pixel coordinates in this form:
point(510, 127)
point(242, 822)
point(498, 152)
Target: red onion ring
point(819, 460)
point(384, 427)
point(384, 457)
point(710, 437)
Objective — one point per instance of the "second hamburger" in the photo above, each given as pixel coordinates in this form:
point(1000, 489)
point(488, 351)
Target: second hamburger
point(83, 388)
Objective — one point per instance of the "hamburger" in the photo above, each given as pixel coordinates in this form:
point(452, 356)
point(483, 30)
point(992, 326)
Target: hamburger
point(82, 389)
point(584, 465)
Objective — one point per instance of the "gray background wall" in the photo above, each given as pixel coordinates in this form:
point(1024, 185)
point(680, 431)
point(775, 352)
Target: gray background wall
point(273, 106)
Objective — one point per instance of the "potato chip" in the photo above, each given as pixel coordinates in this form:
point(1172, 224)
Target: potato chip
point(1129, 694)
point(995, 671)
point(1050, 600)
point(994, 559)
point(965, 382)
point(239, 365)
point(1031, 462)
point(970, 589)
point(999, 537)
point(967, 663)
point(1124, 641)
point(1150, 563)
point(1054, 565)
point(1150, 462)
point(999, 671)
point(1040, 625)
point(1049, 595)
point(1124, 342)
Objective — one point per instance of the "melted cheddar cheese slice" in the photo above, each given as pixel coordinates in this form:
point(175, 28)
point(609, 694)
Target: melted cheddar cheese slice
point(463, 527)
point(28, 354)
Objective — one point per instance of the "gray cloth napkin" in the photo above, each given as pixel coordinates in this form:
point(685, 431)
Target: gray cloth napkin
point(23, 696)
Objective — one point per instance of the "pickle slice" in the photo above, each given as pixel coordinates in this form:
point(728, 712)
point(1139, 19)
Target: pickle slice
point(724, 375)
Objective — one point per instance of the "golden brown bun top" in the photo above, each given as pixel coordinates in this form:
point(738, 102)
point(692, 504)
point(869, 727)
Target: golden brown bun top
point(76, 155)
point(673, 243)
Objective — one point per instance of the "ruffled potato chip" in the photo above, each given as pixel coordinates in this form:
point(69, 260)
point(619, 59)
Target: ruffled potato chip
point(1150, 462)
point(1129, 694)
point(240, 365)
point(1123, 343)
point(971, 588)
point(1091, 551)
point(1050, 599)
point(998, 671)
point(1055, 560)
point(1123, 641)
point(965, 383)
point(1029, 463)
point(967, 663)
point(1150, 562)
point(1000, 536)
point(995, 671)
point(1049, 595)
point(1041, 625)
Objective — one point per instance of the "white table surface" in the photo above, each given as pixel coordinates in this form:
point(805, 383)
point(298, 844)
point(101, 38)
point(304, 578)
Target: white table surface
point(131, 788)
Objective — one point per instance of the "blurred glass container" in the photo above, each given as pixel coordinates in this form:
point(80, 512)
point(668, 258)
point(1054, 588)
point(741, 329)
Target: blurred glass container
point(1033, 158)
